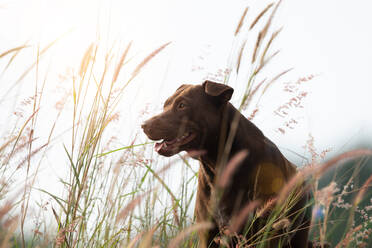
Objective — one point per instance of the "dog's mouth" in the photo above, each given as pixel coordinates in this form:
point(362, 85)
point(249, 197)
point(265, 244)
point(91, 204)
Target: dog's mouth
point(171, 147)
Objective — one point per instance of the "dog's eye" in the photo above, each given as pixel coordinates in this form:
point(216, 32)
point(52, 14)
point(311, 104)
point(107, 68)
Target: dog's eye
point(181, 105)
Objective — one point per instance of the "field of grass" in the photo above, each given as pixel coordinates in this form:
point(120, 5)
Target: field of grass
point(110, 195)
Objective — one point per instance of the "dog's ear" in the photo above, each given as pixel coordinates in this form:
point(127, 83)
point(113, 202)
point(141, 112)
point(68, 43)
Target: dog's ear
point(222, 91)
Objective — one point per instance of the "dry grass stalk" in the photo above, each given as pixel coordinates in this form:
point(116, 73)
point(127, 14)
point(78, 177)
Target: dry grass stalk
point(258, 42)
point(253, 114)
point(275, 79)
point(240, 56)
point(86, 60)
point(57, 218)
point(345, 242)
point(10, 229)
point(147, 240)
point(272, 15)
point(362, 191)
point(29, 156)
point(120, 64)
point(347, 155)
point(5, 209)
point(7, 143)
point(30, 118)
point(298, 179)
point(263, 32)
point(182, 235)
point(281, 224)
point(175, 212)
point(260, 15)
point(40, 54)
point(15, 49)
point(60, 238)
point(134, 240)
point(269, 205)
point(20, 147)
point(271, 82)
point(12, 58)
point(273, 36)
point(239, 219)
point(266, 61)
point(325, 195)
point(129, 208)
point(240, 24)
point(232, 165)
point(148, 58)
point(254, 91)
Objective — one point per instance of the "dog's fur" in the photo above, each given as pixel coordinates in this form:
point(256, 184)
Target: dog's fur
point(200, 117)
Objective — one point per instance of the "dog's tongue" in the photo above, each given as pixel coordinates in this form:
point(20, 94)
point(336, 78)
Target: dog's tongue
point(159, 146)
point(164, 145)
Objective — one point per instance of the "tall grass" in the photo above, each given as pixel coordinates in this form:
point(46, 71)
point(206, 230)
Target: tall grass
point(120, 197)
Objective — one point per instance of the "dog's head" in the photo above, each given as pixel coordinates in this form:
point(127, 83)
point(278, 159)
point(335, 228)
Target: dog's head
point(191, 118)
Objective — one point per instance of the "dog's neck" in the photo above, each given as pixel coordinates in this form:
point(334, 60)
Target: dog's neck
point(230, 137)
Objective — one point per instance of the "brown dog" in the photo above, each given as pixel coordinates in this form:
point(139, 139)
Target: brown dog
point(200, 117)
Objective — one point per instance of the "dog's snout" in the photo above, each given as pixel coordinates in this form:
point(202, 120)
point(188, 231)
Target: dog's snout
point(148, 127)
point(145, 127)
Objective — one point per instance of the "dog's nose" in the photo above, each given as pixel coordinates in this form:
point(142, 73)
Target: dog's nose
point(145, 127)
